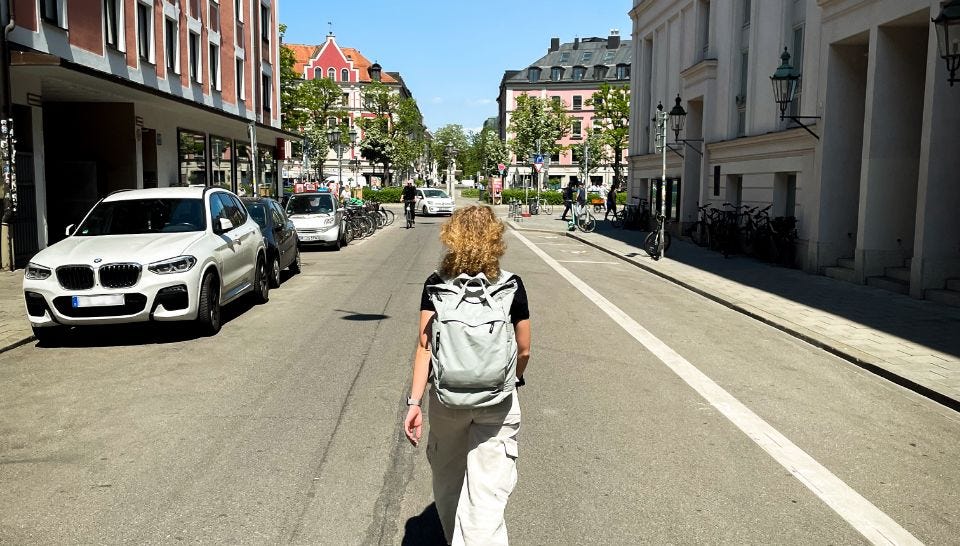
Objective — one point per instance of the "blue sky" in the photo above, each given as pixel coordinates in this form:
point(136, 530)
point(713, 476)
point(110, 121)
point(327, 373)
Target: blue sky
point(452, 53)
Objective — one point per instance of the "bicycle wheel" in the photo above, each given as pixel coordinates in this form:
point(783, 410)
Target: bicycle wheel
point(546, 208)
point(652, 245)
point(389, 215)
point(587, 223)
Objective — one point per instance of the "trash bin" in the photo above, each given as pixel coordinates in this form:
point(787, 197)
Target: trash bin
point(532, 205)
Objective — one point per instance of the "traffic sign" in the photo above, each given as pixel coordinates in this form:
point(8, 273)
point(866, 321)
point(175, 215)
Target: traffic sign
point(538, 159)
point(537, 166)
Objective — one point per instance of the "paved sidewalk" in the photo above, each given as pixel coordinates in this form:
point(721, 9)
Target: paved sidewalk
point(914, 343)
point(14, 327)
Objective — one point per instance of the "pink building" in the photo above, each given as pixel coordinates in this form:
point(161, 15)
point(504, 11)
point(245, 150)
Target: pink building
point(569, 73)
point(119, 94)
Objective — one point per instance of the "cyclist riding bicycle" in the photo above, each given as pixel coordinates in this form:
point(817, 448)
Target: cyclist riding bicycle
point(409, 197)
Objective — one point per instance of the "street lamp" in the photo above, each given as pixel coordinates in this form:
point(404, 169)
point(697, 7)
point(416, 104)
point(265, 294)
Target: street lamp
point(451, 154)
point(333, 136)
point(948, 37)
point(677, 118)
point(786, 81)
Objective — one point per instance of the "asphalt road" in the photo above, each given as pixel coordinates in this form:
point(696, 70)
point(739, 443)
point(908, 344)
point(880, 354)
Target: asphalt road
point(284, 428)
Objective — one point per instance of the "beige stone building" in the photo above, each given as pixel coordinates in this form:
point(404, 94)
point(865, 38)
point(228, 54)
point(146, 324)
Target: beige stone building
point(872, 180)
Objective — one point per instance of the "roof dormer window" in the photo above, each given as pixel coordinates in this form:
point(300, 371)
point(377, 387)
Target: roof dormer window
point(533, 74)
point(579, 72)
point(600, 71)
point(623, 71)
point(556, 73)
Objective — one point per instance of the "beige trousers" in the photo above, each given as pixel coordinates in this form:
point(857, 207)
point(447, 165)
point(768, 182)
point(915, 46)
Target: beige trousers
point(473, 455)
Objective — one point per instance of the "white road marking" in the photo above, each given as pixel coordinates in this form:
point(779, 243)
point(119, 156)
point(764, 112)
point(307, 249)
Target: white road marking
point(585, 262)
point(861, 514)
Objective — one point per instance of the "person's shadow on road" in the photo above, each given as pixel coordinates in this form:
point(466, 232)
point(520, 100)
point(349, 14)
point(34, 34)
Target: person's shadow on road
point(424, 529)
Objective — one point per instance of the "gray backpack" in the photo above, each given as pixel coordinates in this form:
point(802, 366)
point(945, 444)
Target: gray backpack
point(473, 346)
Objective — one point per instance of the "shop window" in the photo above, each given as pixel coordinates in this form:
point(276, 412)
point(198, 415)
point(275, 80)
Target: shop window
point(192, 157)
point(244, 163)
point(267, 164)
point(221, 162)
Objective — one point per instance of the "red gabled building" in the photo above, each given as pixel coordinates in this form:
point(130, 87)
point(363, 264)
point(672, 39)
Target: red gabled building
point(352, 72)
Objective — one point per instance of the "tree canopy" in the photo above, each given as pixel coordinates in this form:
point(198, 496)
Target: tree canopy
point(393, 135)
point(611, 107)
point(537, 120)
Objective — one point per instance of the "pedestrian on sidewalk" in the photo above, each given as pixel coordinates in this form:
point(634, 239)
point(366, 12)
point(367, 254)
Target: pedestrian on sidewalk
point(567, 195)
point(472, 445)
point(611, 202)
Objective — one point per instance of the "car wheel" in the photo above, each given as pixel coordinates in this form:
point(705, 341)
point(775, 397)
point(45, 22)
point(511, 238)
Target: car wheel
point(295, 265)
point(50, 336)
point(208, 308)
point(275, 273)
point(261, 290)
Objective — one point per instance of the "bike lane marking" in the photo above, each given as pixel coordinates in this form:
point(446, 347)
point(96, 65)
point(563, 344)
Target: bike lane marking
point(875, 525)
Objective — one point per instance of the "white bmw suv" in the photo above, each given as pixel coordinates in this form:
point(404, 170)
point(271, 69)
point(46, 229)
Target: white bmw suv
point(165, 254)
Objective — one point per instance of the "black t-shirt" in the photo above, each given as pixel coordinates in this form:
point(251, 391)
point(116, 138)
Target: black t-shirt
point(519, 310)
point(409, 193)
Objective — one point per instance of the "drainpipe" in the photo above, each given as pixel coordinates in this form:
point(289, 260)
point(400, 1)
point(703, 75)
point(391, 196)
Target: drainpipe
point(8, 152)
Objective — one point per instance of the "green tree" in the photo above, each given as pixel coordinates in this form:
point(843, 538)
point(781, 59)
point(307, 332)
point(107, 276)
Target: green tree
point(594, 150)
point(611, 107)
point(485, 152)
point(320, 100)
point(393, 136)
point(292, 117)
point(454, 135)
point(537, 121)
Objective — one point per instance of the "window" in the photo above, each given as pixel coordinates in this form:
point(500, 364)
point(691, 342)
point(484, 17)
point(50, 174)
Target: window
point(344, 75)
point(623, 71)
point(241, 88)
point(238, 9)
point(797, 62)
point(533, 74)
point(265, 24)
point(195, 9)
point(564, 56)
point(221, 159)
point(742, 97)
point(171, 45)
point(555, 157)
point(113, 23)
point(703, 22)
point(317, 73)
point(609, 55)
point(145, 32)
point(52, 11)
point(332, 73)
point(577, 102)
point(577, 128)
point(192, 150)
point(215, 67)
point(587, 57)
point(556, 100)
point(600, 72)
point(266, 95)
point(556, 73)
point(238, 24)
point(579, 72)
point(194, 51)
point(214, 22)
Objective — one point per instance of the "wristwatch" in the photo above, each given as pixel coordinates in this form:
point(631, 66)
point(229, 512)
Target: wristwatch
point(413, 401)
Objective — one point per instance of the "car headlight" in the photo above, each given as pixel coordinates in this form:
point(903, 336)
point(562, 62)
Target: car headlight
point(36, 272)
point(179, 264)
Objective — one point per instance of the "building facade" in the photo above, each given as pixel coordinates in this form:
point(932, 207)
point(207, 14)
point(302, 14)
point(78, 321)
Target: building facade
point(871, 180)
point(352, 72)
point(121, 94)
point(569, 73)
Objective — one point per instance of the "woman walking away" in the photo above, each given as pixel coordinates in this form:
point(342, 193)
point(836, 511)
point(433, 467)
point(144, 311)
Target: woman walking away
point(473, 346)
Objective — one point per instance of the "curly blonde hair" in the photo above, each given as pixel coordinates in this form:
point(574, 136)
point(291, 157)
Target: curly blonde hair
point(474, 240)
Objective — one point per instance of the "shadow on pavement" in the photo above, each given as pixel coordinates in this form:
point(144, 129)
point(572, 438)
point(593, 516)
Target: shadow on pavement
point(360, 317)
point(424, 529)
point(919, 321)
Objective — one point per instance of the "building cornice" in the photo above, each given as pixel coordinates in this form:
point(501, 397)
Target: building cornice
point(775, 145)
point(700, 72)
point(832, 9)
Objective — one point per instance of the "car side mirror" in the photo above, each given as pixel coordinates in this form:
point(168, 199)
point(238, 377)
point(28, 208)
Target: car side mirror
point(225, 225)
point(69, 230)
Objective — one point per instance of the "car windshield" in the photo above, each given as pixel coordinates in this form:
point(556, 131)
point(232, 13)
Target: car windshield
point(435, 193)
point(258, 212)
point(135, 216)
point(310, 204)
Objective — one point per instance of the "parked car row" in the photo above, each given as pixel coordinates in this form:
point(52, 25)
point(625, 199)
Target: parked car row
point(165, 254)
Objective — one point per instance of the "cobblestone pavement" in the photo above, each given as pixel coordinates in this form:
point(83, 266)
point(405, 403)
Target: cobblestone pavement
point(912, 342)
point(14, 328)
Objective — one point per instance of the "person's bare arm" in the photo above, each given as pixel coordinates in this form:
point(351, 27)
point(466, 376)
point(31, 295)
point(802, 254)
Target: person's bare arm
point(413, 423)
point(522, 330)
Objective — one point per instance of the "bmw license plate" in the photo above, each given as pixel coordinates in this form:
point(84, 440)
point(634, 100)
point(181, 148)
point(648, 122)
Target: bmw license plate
point(98, 301)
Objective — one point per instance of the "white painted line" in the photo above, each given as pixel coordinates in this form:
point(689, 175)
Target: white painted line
point(870, 521)
point(585, 262)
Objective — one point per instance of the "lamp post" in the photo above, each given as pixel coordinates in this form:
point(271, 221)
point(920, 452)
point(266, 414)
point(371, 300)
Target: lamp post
point(661, 142)
point(786, 81)
point(948, 37)
point(451, 154)
point(333, 137)
point(677, 118)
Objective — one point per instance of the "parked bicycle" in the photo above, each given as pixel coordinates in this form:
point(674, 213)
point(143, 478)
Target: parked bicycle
point(583, 218)
point(655, 244)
